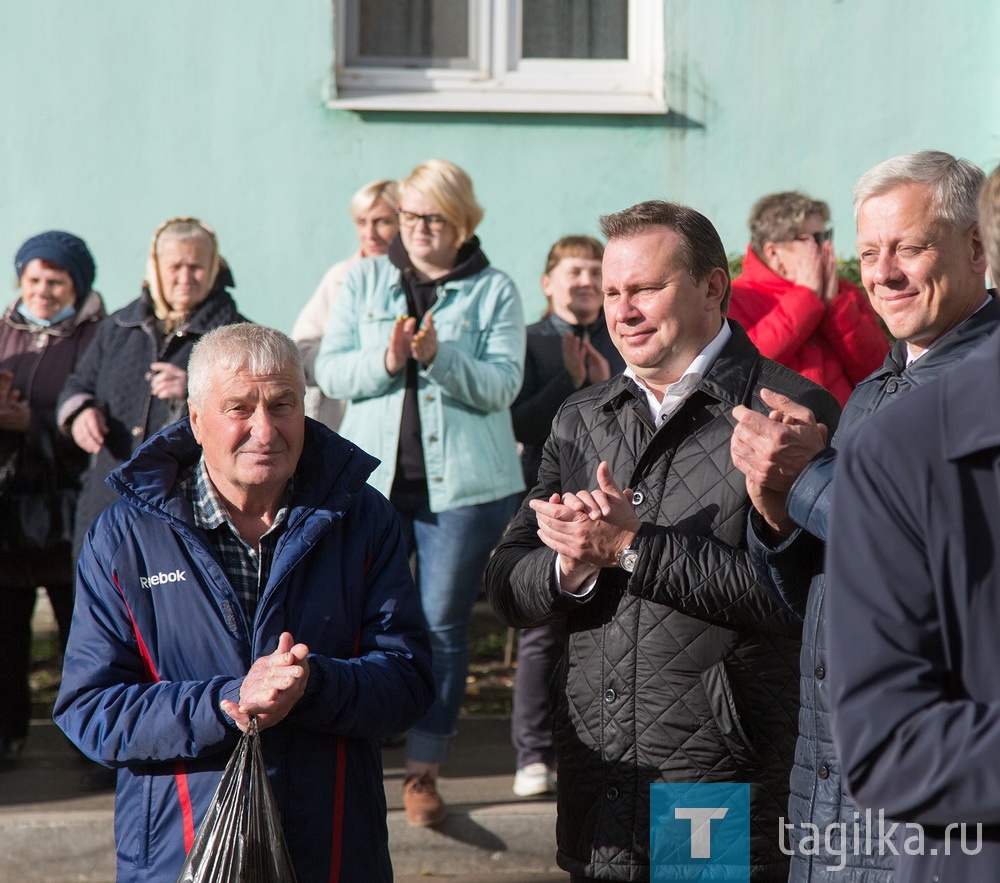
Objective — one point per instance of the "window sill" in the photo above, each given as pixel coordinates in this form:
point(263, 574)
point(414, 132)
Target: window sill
point(491, 101)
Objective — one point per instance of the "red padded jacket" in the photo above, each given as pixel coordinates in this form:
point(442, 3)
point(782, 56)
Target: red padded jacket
point(835, 345)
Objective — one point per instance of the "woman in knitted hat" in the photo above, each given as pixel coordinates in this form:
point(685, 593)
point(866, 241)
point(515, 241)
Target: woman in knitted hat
point(43, 334)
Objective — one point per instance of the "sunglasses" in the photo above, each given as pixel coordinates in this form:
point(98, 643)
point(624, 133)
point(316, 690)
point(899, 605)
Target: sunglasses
point(818, 238)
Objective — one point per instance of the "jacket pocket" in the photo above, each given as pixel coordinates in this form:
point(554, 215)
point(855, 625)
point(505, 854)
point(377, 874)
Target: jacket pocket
point(462, 330)
point(722, 703)
point(375, 328)
point(132, 826)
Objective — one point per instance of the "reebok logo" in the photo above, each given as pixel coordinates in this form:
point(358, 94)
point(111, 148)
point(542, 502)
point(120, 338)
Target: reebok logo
point(158, 579)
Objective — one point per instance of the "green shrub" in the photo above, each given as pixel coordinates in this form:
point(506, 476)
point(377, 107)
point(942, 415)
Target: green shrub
point(847, 268)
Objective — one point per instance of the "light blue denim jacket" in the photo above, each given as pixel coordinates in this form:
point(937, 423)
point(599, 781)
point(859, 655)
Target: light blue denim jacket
point(463, 396)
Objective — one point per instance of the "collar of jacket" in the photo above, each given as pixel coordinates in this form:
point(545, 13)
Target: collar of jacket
point(970, 424)
point(756, 274)
point(979, 324)
point(331, 471)
point(730, 380)
point(91, 310)
point(561, 326)
point(140, 311)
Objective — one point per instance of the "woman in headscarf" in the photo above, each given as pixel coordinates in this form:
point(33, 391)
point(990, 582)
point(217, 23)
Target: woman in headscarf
point(133, 381)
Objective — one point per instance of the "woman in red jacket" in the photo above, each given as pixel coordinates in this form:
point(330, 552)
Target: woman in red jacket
point(792, 304)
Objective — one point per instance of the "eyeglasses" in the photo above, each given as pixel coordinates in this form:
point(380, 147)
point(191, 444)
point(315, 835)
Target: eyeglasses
point(434, 223)
point(818, 238)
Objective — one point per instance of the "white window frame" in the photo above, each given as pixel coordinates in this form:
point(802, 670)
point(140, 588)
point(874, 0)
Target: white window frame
point(503, 82)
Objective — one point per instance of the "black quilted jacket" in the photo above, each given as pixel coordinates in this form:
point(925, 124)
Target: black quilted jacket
point(687, 670)
point(114, 375)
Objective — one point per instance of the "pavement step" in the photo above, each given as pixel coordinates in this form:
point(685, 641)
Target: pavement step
point(52, 833)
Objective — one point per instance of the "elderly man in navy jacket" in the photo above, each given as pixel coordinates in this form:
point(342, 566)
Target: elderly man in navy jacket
point(923, 267)
point(246, 570)
point(913, 612)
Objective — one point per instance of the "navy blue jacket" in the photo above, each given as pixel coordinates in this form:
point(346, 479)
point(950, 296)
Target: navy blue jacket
point(796, 568)
point(912, 618)
point(159, 639)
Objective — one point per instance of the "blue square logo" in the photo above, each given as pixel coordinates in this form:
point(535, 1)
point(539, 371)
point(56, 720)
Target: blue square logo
point(699, 832)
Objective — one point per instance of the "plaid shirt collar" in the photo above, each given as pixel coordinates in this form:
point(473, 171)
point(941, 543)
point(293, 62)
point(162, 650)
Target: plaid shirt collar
point(248, 569)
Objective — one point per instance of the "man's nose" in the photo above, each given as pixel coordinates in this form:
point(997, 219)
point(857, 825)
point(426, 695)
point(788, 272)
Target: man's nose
point(262, 425)
point(625, 309)
point(886, 268)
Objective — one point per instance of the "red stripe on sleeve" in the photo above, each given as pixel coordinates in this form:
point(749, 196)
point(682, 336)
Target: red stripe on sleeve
point(180, 770)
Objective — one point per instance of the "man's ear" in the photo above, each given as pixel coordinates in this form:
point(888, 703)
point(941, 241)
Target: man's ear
point(977, 249)
point(195, 421)
point(718, 282)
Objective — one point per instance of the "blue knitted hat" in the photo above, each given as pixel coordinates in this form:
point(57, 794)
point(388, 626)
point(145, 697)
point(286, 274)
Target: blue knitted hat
point(64, 249)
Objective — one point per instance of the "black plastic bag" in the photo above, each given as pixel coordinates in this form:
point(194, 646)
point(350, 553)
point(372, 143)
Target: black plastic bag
point(240, 839)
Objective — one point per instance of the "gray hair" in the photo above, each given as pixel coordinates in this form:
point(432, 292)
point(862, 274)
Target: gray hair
point(954, 184)
point(245, 346)
point(184, 229)
point(778, 217)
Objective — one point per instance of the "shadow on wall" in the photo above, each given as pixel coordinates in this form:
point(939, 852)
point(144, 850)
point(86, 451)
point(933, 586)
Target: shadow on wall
point(669, 120)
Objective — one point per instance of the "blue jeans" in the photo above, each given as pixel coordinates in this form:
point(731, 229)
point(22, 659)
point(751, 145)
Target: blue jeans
point(452, 549)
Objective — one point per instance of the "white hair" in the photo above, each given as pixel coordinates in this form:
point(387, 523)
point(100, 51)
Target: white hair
point(245, 346)
point(955, 184)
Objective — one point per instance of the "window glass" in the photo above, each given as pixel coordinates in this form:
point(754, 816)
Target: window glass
point(574, 29)
point(425, 33)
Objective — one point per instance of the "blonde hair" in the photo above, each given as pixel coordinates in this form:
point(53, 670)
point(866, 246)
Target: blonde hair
point(450, 188)
point(370, 193)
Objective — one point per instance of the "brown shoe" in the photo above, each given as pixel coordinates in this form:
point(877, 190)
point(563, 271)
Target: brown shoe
point(424, 806)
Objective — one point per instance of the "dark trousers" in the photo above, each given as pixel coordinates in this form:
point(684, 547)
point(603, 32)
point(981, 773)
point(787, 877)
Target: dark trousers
point(16, 606)
point(538, 651)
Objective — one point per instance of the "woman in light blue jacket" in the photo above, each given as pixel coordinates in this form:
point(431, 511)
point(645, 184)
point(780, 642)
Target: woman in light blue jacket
point(427, 346)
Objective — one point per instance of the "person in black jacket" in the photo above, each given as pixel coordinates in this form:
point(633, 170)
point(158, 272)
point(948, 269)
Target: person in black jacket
point(680, 664)
point(133, 380)
point(570, 348)
point(923, 266)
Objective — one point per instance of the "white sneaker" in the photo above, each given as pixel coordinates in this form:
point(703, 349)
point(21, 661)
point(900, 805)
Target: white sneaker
point(534, 779)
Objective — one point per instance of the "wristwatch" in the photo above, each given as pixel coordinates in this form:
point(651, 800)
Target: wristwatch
point(627, 558)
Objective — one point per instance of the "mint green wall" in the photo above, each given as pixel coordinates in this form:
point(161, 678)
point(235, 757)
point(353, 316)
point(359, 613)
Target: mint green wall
point(115, 114)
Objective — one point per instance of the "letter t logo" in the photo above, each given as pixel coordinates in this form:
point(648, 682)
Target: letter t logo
point(701, 826)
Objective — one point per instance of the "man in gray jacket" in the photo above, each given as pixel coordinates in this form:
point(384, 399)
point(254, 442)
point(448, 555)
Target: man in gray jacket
point(680, 663)
point(923, 266)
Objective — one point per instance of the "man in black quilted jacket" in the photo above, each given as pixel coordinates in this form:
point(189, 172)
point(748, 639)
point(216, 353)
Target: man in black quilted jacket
point(681, 667)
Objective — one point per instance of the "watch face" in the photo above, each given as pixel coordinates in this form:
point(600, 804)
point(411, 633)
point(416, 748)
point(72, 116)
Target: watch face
point(627, 559)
